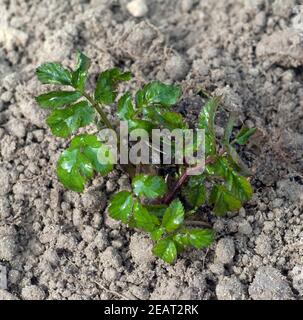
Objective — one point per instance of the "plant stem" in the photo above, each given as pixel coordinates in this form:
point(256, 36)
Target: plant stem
point(168, 198)
point(96, 105)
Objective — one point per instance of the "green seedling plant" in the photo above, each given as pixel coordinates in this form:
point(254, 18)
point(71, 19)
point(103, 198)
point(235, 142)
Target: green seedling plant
point(164, 214)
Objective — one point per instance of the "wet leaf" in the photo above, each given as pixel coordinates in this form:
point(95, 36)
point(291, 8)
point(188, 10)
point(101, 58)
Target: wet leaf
point(56, 99)
point(107, 84)
point(157, 93)
point(223, 200)
point(64, 122)
point(78, 163)
point(125, 107)
point(80, 74)
point(150, 187)
point(54, 73)
point(121, 206)
point(143, 219)
point(173, 216)
point(166, 250)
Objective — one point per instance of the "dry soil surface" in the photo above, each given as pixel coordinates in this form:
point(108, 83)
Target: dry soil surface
point(55, 244)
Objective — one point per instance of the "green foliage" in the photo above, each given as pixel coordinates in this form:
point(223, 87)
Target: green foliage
point(78, 162)
point(157, 93)
point(80, 74)
point(54, 73)
point(57, 99)
point(151, 205)
point(150, 187)
point(107, 84)
point(64, 122)
point(244, 135)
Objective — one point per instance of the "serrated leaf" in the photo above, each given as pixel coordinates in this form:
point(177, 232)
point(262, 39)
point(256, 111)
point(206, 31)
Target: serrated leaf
point(223, 201)
point(78, 163)
point(157, 210)
point(157, 93)
point(167, 119)
point(140, 124)
point(74, 169)
point(107, 84)
point(244, 135)
point(157, 233)
point(173, 216)
point(197, 238)
point(125, 107)
point(207, 121)
point(121, 206)
point(239, 187)
point(194, 191)
point(207, 115)
point(64, 122)
point(54, 73)
point(200, 238)
point(166, 250)
point(97, 152)
point(236, 184)
point(56, 99)
point(151, 187)
point(229, 128)
point(236, 162)
point(143, 219)
point(80, 74)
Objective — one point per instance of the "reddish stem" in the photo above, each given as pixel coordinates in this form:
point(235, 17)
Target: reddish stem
point(170, 195)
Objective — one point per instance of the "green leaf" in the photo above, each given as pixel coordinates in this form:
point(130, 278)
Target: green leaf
point(125, 107)
point(151, 187)
point(194, 191)
point(157, 93)
point(74, 169)
point(143, 219)
point(197, 238)
point(157, 210)
point(167, 119)
point(236, 184)
point(56, 99)
point(140, 124)
point(236, 162)
point(223, 200)
point(207, 122)
point(121, 206)
point(166, 250)
point(94, 150)
point(80, 74)
point(64, 122)
point(53, 73)
point(239, 187)
point(107, 84)
point(229, 128)
point(157, 233)
point(174, 216)
point(200, 238)
point(77, 163)
point(244, 135)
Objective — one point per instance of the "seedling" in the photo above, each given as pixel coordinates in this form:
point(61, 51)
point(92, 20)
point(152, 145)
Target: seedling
point(165, 214)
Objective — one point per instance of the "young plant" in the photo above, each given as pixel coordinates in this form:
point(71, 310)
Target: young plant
point(150, 206)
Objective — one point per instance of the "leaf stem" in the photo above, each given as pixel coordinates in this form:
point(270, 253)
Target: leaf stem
point(170, 195)
point(96, 105)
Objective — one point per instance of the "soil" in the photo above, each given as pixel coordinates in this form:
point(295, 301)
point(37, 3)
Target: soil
point(55, 244)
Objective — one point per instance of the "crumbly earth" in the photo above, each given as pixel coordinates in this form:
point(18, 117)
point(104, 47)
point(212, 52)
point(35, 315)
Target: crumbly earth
point(55, 244)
